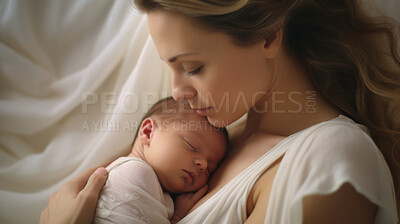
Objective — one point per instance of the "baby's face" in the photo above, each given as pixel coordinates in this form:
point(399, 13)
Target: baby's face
point(183, 154)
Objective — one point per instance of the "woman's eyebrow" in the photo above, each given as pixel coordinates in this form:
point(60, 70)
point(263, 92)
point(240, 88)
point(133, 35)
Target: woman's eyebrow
point(173, 59)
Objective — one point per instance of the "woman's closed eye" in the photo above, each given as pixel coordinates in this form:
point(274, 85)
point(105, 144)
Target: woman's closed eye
point(194, 72)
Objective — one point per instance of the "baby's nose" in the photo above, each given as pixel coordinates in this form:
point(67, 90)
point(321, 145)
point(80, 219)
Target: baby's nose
point(202, 164)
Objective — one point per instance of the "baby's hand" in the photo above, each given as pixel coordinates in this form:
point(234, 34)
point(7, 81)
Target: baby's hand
point(184, 202)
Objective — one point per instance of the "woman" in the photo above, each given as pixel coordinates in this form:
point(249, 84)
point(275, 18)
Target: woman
point(304, 71)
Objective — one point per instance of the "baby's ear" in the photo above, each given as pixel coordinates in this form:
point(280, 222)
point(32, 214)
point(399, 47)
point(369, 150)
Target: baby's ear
point(147, 130)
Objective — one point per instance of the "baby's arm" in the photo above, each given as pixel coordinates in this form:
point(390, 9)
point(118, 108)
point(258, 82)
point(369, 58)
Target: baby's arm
point(184, 202)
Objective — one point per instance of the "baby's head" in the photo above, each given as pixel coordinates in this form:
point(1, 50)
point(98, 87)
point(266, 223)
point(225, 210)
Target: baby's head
point(180, 145)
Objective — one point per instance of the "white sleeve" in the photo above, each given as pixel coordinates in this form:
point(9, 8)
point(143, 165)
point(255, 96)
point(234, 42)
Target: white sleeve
point(133, 194)
point(337, 154)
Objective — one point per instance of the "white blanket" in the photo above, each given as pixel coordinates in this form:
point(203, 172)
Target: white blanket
point(76, 76)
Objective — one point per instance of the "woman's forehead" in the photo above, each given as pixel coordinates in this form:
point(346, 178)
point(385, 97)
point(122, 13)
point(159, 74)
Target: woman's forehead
point(175, 34)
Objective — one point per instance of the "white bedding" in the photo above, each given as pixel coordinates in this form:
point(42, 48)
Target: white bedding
point(64, 66)
point(76, 76)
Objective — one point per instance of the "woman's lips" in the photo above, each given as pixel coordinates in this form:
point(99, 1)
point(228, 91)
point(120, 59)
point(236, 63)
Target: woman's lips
point(202, 111)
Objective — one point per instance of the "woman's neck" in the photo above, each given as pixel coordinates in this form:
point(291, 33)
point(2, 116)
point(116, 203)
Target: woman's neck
point(293, 103)
point(286, 123)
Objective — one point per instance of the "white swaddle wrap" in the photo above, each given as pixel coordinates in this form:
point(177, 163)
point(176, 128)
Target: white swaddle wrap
point(133, 194)
point(317, 160)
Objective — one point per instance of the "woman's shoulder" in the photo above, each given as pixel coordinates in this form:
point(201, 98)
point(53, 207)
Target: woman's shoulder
point(338, 144)
point(339, 136)
point(322, 159)
point(335, 152)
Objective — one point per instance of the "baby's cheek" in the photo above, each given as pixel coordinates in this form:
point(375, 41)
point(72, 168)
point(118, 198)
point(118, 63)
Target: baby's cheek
point(202, 180)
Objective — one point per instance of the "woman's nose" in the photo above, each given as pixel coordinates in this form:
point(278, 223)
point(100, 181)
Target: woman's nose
point(201, 163)
point(181, 89)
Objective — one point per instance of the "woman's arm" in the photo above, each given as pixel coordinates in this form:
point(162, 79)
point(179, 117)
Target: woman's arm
point(345, 205)
point(76, 200)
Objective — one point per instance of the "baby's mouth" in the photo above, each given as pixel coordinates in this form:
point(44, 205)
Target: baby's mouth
point(191, 176)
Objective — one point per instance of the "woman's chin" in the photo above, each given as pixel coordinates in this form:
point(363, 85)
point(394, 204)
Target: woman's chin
point(224, 120)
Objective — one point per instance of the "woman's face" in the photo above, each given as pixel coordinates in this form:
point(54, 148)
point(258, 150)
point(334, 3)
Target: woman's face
point(220, 79)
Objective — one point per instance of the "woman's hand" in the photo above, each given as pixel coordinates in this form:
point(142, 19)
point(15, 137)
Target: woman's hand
point(76, 200)
point(184, 202)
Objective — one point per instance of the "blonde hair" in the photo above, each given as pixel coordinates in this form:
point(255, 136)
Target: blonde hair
point(351, 57)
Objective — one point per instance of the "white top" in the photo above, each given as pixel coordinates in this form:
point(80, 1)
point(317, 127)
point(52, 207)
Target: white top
point(133, 194)
point(317, 160)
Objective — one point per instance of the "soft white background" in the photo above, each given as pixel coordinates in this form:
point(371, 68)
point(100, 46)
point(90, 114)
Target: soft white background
point(76, 76)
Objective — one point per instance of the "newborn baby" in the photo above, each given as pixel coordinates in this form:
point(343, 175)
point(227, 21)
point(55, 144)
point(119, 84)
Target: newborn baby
point(174, 152)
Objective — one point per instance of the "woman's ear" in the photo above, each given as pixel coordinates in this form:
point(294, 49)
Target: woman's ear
point(146, 131)
point(273, 44)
